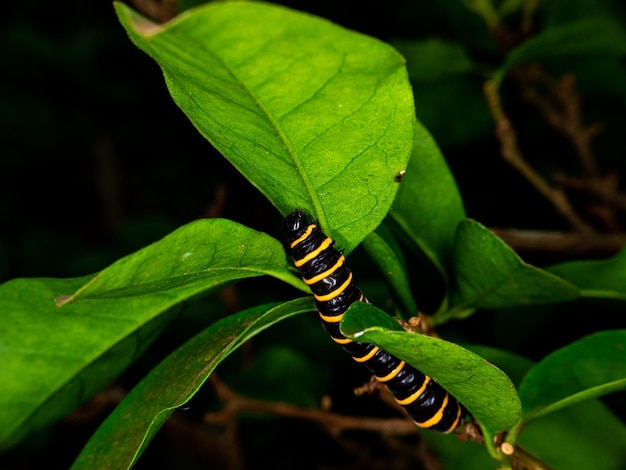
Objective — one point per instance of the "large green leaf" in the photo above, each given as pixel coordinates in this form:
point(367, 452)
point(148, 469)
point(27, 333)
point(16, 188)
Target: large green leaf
point(314, 115)
point(584, 436)
point(124, 435)
point(591, 434)
point(490, 275)
point(63, 340)
point(513, 365)
point(428, 206)
point(596, 278)
point(484, 389)
point(596, 36)
point(588, 368)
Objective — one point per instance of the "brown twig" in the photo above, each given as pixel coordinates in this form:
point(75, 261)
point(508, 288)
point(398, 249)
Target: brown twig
point(563, 243)
point(604, 189)
point(560, 106)
point(100, 405)
point(512, 154)
point(333, 423)
point(605, 200)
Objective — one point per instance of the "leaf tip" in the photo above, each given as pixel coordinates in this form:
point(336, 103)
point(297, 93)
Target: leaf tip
point(131, 19)
point(61, 300)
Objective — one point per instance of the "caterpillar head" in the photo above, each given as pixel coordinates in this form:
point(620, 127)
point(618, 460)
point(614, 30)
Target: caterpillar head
point(295, 224)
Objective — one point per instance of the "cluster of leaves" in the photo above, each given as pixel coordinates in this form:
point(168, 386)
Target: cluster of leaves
point(320, 118)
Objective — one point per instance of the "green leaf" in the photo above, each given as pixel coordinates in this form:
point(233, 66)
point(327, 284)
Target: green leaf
point(584, 436)
point(588, 368)
point(599, 36)
point(490, 275)
point(596, 278)
point(383, 250)
point(485, 390)
point(190, 258)
point(513, 365)
point(63, 340)
point(428, 206)
point(124, 435)
point(314, 115)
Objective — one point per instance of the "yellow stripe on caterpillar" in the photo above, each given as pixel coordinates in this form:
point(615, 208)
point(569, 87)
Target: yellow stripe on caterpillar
point(392, 374)
point(459, 413)
point(341, 340)
point(368, 356)
point(313, 254)
point(326, 273)
point(331, 319)
point(336, 293)
point(437, 416)
point(304, 236)
point(414, 396)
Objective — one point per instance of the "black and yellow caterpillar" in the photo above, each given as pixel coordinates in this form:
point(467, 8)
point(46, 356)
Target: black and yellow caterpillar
point(323, 268)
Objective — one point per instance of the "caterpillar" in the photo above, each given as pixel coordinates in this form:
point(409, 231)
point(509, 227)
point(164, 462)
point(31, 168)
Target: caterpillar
point(323, 269)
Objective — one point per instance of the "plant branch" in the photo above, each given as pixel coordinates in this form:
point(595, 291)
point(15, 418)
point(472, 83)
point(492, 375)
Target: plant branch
point(604, 189)
point(333, 423)
point(566, 243)
point(560, 105)
point(512, 154)
point(561, 108)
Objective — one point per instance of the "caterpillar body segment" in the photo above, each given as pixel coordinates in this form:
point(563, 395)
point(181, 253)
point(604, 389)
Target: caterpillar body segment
point(323, 268)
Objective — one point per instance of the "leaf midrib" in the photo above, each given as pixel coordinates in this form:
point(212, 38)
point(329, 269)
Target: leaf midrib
point(289, 148)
